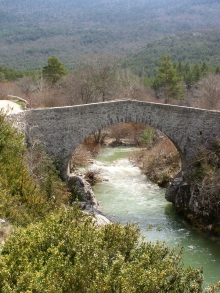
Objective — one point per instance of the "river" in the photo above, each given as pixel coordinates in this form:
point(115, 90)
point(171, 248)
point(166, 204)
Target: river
point(126, 195)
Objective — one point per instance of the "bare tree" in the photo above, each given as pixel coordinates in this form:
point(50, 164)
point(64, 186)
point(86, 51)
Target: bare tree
point(94, 80)
point(9, 88)
point(99, 79)
point(101, 76)
point(207, 92)
point(27, 86)
point(79, 89)
point(128, 84)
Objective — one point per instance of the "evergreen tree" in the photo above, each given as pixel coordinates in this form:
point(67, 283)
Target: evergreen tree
point(188, 79)
point(204, 69)
point(186, 69)
point(54, 70)
point(180, 68)
point(168, 80)
point(196, 72)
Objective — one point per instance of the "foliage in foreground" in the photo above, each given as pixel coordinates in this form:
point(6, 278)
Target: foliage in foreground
point(67, 253)
point(64, 251)
point(24, 196)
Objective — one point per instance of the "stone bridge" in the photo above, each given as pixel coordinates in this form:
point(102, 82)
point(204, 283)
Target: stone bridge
point(61, 130)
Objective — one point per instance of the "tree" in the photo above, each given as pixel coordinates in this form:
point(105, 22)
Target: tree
point(2, 76)
point(101, 76)
point(78, 88)
point(205, 69)
point(129, 84)
point(196, 73)
point(54, 70)
point(94, 80)
point(207, 92)
point(180, 68)
point(27, 86)
point(168, 82)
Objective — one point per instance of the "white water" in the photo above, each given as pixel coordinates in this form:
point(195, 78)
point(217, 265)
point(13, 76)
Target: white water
point(128, 196)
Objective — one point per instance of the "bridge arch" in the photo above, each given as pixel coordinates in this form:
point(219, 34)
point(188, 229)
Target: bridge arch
point(110, 122)
point(61, 130)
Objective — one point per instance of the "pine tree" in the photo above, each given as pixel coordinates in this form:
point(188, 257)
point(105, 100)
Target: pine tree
point(196, 72)
point(54, 70)
point(168, 80)
point(204, 69)
point(180, 68)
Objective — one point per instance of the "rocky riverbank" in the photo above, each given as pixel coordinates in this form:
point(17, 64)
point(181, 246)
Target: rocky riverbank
point(196, 207)
point(82, 191)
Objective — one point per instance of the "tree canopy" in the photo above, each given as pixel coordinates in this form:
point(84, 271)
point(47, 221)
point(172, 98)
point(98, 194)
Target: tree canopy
point(54, 70)
point(168, 80)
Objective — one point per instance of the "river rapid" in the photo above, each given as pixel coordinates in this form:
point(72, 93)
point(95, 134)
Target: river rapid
point(126, 195)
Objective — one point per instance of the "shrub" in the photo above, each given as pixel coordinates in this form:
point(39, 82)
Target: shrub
point(67, 253)
point(92, 175)
point(80, 157)
point(24, 197)
point(147, 137)
point(160, 163)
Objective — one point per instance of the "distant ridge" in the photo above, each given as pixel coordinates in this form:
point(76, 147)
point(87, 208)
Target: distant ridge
point(33, 30)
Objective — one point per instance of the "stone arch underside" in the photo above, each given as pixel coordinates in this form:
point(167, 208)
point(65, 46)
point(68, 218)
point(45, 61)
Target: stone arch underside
point(61, 130)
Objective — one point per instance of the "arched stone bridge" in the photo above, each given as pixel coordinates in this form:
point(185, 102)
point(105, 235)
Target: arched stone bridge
point(61, 130)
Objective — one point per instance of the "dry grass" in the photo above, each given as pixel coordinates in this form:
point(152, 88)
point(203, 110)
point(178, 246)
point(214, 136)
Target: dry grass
point(92, 175)
point(160, 163)
point(80, 157)
point(92, 145)
point(84, 153)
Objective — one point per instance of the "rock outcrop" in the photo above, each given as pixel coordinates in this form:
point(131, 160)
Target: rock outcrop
point(82, 191)
point(195, 206)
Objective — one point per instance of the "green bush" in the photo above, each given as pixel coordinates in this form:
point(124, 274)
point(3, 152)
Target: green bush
point(24, 197)
point(67, 253)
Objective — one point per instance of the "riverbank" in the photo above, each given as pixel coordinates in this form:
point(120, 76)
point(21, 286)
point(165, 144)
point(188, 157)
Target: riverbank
point(160, 164)
point(81, 190)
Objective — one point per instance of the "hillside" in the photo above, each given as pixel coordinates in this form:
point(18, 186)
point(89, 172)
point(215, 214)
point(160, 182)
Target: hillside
point(189, 47)
point(31, 31)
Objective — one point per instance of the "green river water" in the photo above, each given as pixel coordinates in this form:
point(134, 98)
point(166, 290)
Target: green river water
point(128, 196)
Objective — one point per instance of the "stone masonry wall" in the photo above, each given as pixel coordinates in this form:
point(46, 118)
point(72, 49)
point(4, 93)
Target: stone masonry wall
point(61, 130)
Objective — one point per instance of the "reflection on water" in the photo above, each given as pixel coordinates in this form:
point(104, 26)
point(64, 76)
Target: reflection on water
point(128, 196)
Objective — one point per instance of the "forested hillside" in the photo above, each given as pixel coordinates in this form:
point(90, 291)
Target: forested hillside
point(31, 31)
point(188, 47)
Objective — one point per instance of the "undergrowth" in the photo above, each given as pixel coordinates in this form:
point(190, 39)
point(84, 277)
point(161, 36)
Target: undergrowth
point(160, 163)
